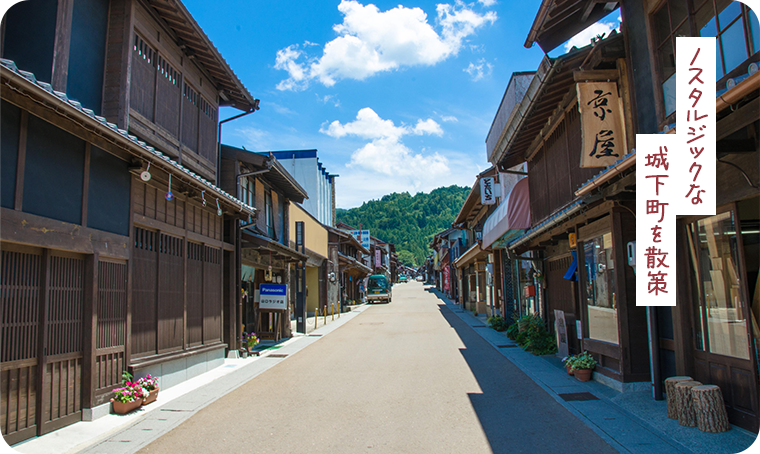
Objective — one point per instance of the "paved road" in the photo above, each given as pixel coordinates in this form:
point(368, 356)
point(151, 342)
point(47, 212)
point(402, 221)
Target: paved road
point(408, 376)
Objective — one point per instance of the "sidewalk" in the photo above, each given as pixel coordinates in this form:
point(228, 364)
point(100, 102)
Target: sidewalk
point(629, 422)
point(115, 434)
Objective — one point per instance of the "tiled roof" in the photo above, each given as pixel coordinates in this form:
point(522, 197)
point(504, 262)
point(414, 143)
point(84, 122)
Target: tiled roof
point(607, 169)
point(547, 223)
point(9, 65)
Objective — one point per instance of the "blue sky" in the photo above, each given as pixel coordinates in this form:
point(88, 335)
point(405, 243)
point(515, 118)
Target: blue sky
point(396, 97)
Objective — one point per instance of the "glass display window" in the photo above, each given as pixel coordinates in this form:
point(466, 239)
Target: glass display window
point(601, 288)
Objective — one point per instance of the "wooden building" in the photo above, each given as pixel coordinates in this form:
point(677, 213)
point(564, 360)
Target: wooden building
point(711, 334)
point(110, 259)
point(347, 268)
point(472, 264)
point(260, 181)
point(576, 222)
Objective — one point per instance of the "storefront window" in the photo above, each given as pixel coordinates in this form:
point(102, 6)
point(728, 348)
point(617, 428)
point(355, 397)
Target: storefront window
point(526, 288)
point(601, 288)
point(714, 254)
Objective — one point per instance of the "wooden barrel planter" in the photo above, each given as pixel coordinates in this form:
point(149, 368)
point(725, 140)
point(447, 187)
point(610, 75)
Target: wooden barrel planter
point(670, 391)
point(710, 409)
point(685, 404)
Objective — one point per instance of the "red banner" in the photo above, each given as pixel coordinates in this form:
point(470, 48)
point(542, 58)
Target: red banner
point(446, 280)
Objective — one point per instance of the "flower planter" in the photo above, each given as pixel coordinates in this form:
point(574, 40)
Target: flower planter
point(569, 370)
point(583, 374)
point(152, 396)
point(122, 408)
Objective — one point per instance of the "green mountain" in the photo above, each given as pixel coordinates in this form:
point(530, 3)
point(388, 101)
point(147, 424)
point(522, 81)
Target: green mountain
point(409, 222)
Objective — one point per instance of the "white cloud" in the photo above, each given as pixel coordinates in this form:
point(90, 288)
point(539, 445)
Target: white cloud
point(385, 157)
point(329, 99)
point(487, 3)
point(371, 41)
point(449, 118)
point(583, 38)
point(479, 70)
point(369, 125)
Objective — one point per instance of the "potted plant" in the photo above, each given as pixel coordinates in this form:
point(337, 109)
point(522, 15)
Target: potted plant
point(583, 364)
point(150, 385)
point(128, 397)
point(249, 340)
point(568, 362)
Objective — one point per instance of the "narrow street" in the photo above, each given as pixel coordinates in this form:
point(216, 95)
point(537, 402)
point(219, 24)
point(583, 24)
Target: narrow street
point(408, 376)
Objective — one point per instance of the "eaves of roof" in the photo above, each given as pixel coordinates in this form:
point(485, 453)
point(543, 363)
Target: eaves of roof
point(25, 83)
point(198, 47)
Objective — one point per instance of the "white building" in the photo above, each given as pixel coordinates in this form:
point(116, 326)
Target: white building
point(312, 176)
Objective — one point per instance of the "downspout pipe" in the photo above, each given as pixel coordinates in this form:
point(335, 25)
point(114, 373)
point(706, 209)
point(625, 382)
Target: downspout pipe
point(252, 109)
point(238, 233)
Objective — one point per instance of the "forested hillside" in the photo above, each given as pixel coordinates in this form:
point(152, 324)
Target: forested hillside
point(410, 222)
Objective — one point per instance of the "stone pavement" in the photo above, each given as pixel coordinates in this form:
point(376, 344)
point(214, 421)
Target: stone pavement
point(122, 434)
point(631, 422)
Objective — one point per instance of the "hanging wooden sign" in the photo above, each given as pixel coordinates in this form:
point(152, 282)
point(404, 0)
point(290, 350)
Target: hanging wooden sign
point(602, 131)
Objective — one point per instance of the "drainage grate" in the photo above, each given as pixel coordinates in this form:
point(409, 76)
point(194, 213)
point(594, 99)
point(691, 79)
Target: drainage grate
point(578, 396)
point(506, 346)
point(478, 326)
point(315, 335)
point(278, 355)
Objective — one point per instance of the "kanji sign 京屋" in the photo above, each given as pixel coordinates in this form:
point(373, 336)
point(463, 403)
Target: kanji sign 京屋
point(602, 128)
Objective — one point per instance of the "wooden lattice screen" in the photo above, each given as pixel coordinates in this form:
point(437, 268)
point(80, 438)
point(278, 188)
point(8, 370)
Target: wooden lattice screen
point(19, 333)
point(111, 330)
point(142, 89)
point(168, 95)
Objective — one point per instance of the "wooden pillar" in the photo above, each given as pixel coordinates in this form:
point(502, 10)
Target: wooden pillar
point(43, 394)
point(89, 328)
point(60, 71)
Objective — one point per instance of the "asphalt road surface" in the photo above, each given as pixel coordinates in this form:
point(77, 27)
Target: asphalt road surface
point(408, 376)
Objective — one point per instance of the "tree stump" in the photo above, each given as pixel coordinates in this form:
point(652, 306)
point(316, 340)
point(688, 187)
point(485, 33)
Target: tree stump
point(710, 409)
point(670, 391)
point(685, 404)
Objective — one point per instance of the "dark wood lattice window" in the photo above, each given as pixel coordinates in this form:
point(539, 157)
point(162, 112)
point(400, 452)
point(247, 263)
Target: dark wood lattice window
point(207, 130)
point(190, 117)
point(168, 95)
point(142, 87)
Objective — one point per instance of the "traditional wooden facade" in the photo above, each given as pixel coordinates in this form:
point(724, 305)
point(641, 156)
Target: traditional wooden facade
point(711, 333)
point(259, 180)
point(471, 265)
point(106, 268)
point(347, 268)
point(577, 225)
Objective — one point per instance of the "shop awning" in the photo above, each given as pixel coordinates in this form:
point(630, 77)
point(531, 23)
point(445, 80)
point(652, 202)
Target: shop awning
point(510, 219)
point(475, 252)
point(280, 251)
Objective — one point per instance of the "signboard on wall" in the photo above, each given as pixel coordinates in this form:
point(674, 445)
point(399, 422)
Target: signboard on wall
point(603, 135)
point(446, 279)
point(378, 262)
point(561, 329)
point(273, 297)
point(361, 236)
point(488, 190)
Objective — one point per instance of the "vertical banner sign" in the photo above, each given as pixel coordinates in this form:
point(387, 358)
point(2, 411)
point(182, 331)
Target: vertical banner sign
point(487, 188)
point(378, 262)
point(694, 164)
point(655, 220)
point(446, 279)
point(273, 297)
point(603, 134)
